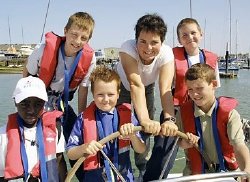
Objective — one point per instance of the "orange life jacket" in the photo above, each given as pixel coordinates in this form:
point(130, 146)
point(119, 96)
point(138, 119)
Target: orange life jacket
point(181, 66)
point(226, 105)
point(13, 165)
point(50, 59)
point(90, 133)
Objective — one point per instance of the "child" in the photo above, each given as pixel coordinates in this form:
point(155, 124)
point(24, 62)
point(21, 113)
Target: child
point(29, 141)
point(215, 121)
point(65, 64)
point(100, 119)
point(189, 36)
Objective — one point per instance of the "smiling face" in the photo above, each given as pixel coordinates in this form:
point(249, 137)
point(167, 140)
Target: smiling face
point(189, 35)
point(30, 110)
point(75, 39)
point(202, 93)
point(105, 94)
point(148, 46)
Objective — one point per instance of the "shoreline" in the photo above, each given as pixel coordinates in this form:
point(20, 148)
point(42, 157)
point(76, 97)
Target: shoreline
point(8, 70)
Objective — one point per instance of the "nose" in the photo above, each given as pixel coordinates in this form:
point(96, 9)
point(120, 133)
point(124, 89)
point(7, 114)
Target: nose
point(31, 109)
point(148, 46)
point(105, 98)
point(78, 40)
point(190, 36)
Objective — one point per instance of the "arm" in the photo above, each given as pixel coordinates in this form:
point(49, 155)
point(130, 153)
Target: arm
point(242, 156)
point(82, 98)
point(126, 130)
point(165, 82)
point(137, 88)
point(25, 70)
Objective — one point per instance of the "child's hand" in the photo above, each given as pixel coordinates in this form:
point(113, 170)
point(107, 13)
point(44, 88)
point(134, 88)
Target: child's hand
point(127, 130)
point(92, 147)
point(192, 139)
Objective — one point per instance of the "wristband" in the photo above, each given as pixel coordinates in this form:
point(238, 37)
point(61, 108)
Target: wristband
point(171, 119)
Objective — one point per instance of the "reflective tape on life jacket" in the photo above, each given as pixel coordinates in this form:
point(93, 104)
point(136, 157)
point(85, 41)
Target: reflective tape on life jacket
point(181, 66)
point(49, 61)
point(225, 106)
point(14, 168)
point(90, 133)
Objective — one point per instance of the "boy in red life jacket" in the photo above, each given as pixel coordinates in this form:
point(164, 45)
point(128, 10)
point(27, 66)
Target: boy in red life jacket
point(30, 144)
point(215, 121)
point(189, 35)
point(101, 118)
point(65, 64)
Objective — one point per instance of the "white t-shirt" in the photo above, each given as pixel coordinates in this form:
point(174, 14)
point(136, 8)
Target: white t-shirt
point(196, 59)
point(57, 84)
point(31, 150)
point(149, 73)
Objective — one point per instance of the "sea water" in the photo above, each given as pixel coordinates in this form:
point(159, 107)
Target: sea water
point(238, 87)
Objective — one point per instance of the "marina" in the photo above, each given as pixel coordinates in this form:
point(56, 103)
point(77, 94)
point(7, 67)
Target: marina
point(234, 75)
point(229, 87)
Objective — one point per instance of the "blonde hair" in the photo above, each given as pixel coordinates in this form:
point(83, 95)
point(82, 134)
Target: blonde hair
point(105, 74)
point(200, 71)
point(83, 20)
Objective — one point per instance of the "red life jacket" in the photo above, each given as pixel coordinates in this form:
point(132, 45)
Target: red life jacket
point(13, 164)
point(90, 133)
point(181, 66)
point(50, 59)
point(226, 105)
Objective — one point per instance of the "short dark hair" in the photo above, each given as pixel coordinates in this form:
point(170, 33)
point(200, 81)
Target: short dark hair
point(151, 23)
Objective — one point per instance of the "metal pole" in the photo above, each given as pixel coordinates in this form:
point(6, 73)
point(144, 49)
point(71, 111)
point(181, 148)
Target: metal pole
point(230, 29)
point(9, 30)
point(204, 36)
point(190, 7)
point(45, 21)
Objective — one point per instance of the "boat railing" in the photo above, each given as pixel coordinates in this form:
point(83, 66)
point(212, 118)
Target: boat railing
point(209, 176)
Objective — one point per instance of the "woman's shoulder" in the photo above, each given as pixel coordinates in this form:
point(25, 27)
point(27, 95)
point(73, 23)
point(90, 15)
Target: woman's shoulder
point(129, 47)
point(166, 53)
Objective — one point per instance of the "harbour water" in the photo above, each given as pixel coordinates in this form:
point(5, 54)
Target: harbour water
point(238, 88)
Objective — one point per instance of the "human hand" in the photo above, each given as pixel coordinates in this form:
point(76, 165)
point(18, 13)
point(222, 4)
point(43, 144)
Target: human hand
point(168, 128)
point(92, 147)
point(246, 178)
point(127, 130)
point(151, 126)
point(192, 139)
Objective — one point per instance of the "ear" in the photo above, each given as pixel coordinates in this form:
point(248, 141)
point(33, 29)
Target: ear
point(65, 31)
point(215, 83)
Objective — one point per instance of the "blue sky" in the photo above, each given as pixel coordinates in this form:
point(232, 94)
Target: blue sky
point(115, 20)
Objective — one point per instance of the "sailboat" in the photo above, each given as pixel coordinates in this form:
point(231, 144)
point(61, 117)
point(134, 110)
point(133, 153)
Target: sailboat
point(228, 67)
point(11, 51)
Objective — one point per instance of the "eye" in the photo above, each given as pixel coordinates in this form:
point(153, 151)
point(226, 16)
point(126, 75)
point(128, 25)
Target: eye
point(84, 38)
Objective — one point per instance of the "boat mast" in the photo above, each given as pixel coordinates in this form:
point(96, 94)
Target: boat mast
point(45, 21)
point(9, 30)
point(22, 35)
point(190, 7)
point(236, 46)
point(230, 27)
